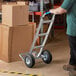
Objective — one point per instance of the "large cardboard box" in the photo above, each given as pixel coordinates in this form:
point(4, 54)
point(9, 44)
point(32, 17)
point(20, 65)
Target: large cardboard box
point(14, 14)
point(21, 2)
point(15, 40)
point(2, 3)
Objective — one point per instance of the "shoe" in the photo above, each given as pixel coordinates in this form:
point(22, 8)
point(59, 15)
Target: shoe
point(69, 67)
point(72, 73)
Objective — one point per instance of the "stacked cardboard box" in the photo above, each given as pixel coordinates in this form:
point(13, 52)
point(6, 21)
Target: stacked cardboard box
point(22, 2)
point(16, 33)
point(15, 40)
point(14, 14)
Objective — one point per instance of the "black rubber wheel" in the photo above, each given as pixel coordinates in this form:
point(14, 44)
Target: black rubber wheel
point(29, 60)
point(47, 56)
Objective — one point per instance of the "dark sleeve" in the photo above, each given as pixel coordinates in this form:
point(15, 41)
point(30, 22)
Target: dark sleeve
point(67, 4)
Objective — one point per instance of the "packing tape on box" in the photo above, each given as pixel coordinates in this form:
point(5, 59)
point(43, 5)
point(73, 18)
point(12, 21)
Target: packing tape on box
point(19, 73)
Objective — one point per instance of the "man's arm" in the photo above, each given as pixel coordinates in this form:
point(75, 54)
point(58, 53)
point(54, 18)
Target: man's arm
point(59, 10)
point(66, 5)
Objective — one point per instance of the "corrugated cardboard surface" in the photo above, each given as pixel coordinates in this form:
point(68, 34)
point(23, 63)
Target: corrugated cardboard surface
point(15, 40)
point(21, 2)
point(14, 14)
point(5, 43)
point(2, 3)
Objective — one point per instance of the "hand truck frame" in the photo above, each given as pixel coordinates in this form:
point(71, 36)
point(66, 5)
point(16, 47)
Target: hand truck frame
point(29, 58)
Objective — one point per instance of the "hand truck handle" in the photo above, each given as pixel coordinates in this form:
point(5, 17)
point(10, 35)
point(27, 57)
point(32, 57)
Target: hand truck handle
point(46, 13)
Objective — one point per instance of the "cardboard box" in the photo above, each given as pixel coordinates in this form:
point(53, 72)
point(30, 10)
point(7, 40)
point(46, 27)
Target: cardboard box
point(14, 14)
point(15, 40)
point(2, 3)
point(21, 2)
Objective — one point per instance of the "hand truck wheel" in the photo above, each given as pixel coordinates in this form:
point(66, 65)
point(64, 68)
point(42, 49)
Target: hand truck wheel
point(47, 56)
point(29, 60)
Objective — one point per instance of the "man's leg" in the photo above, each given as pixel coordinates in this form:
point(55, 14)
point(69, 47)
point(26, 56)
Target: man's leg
point(72, 62)
point(72, 43)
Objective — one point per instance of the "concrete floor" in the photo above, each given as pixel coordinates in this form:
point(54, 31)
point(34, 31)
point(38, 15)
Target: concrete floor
point(60, 52)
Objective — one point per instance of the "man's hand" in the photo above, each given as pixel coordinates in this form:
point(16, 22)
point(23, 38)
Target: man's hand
point(58, 11)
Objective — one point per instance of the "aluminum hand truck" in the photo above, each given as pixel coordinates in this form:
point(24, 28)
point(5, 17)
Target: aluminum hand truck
point(29, 58)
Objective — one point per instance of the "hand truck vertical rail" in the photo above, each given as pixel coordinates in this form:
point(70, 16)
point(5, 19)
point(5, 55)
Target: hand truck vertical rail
point(46, 56)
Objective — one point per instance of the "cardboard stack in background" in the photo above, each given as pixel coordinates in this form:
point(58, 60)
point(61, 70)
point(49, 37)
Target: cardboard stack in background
point(16, 33)
point(15, 40)
point(14, 14)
